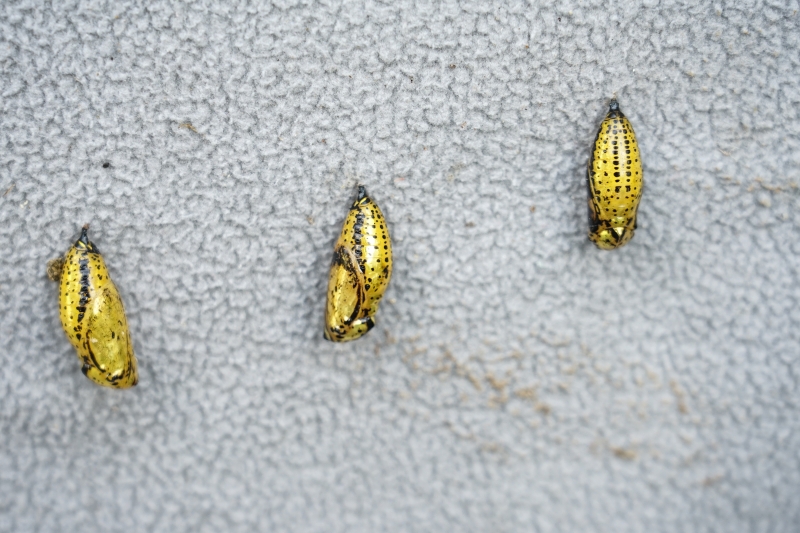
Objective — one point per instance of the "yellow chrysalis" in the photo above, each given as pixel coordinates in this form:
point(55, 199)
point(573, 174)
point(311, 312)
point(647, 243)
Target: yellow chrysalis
point(614, 180)
point(360, 271)
point(93, 316)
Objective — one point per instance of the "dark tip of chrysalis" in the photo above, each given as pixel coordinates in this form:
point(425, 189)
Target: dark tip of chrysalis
point(84, 239)
point(84, 234)
point(362, 192)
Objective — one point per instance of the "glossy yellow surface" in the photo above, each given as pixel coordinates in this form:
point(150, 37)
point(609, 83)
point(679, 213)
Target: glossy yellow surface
point(360, 271)
point(94, 319)
point(615, 182)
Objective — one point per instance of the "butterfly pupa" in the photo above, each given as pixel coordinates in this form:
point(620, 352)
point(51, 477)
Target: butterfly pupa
point(360, 271)
point(93, 316)
point(614, 181)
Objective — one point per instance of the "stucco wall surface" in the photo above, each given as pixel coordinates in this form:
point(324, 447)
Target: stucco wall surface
point(518, 379)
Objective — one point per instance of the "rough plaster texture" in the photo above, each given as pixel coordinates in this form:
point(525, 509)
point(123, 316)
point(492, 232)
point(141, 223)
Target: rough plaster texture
point(518, 378)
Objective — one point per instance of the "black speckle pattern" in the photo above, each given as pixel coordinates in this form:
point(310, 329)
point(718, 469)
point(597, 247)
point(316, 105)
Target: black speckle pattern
point(614, 181)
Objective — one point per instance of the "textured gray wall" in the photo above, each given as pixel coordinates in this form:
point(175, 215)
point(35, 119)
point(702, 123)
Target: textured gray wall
point(518, 378)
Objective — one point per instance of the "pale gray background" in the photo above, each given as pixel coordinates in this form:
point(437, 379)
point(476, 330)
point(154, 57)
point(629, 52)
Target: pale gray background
point(518, 378)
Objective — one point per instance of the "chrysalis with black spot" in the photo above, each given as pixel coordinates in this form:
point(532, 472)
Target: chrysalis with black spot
point(614, 181)
point(93, 316)
point(360, 271)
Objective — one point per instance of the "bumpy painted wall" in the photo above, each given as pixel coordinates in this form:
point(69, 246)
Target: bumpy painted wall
point(518, 379)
